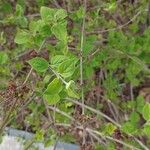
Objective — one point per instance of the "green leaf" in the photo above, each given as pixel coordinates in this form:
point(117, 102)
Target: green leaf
point(34, 26)
point(57, 60)
point(146, 129)
point(22, 22)
point(52, 99)
point(39, 136)
point(19, 10)
point(114, 64)
point(47, 14)
point(70, 87)
point(69, 104)
point(80, 13)
point(39, 64)
point(45, 30)
point(140, 102)
point(132, 71)
point(51, 14)
point(111, 7)
point(146, 111)
point(54, 87)
point(20, 19)
point(60, 31)
point(140, 63)
point(67, 68)
point(40, 27)
point(6, 7)
point(129, 128)
point(46, 79)
point(134, 117)
point(3, 58)
point(22, 37)
point(109, 128)
point(89, 71)
point(60, 14)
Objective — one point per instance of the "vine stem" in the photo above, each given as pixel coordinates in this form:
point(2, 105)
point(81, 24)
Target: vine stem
point(81, 56)
point(58, 75)
point(81, 66)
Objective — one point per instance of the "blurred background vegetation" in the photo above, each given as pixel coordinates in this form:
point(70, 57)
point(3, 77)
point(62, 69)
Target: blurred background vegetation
point(116, 62)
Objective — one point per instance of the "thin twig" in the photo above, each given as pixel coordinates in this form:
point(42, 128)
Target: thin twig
point(8, 115)
point(55, 146)
point(50, 118)
point(140, 143)
point(106, 117)
point(112, 139)
point(97, 138)
point(113, 29)
point(95, 111)
point(61, 112)
point(28, 75)
point(113, 112)
point(30, 16)
point(93, 132)
point(98, 133)
point(131, 92)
